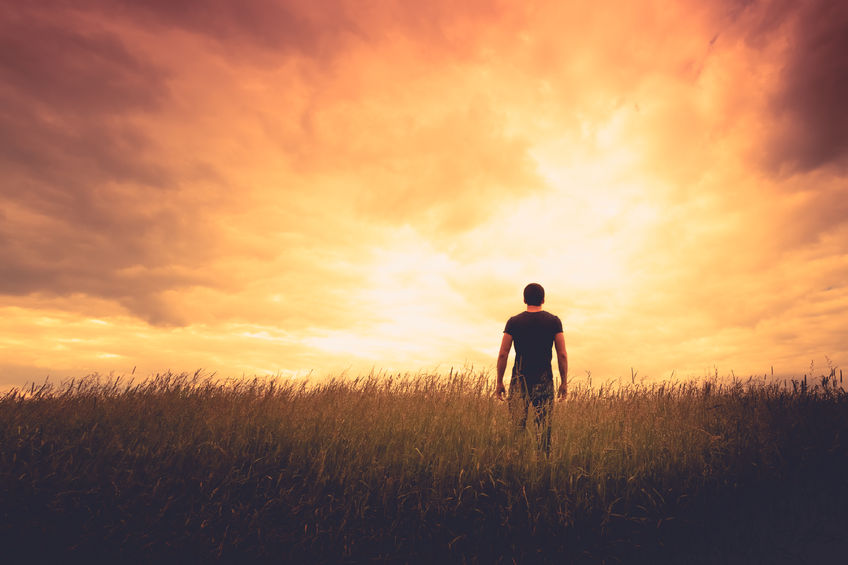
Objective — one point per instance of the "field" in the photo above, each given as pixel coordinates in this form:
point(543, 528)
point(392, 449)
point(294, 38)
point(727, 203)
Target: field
point(421, 468)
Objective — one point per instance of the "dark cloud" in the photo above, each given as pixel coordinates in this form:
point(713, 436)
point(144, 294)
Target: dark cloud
point(83, 194)
point(760, 19)
point(64, 106)
point(54, 259)
point(315, 29)
point(61, 68)
point(815, 90)
point(807, 114)
point(318, 30)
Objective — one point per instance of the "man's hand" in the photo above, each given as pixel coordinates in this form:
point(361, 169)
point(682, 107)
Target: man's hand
point(503, 356)
point(562, 363)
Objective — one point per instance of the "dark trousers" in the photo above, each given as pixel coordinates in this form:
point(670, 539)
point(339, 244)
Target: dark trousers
point(538, 396)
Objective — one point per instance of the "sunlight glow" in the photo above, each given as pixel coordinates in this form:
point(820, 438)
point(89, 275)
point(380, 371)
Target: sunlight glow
point(378, 189)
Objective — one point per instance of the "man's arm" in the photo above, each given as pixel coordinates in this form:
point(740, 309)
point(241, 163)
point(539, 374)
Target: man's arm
point(562, 361)
point(503, 357)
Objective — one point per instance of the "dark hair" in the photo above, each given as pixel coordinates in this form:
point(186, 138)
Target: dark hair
point(534, 294)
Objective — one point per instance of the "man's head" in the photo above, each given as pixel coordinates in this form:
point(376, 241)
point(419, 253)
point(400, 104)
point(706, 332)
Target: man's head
point(534, 294)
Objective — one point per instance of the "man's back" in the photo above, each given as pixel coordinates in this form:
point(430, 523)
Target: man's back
point(533, 336)
point(533, 333)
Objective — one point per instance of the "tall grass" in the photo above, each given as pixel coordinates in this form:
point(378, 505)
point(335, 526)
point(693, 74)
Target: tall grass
point(414, 468)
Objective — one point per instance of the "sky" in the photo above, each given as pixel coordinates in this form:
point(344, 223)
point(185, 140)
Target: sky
point(322, 187)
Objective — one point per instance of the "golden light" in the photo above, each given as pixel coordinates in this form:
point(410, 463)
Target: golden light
point(379, 194)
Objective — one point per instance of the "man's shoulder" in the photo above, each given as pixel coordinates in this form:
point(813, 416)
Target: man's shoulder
point(547, 316)
point(554, 320)
point(511, 323)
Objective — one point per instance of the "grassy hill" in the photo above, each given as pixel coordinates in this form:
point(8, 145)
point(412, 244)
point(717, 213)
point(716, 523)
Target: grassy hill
point(183, 468)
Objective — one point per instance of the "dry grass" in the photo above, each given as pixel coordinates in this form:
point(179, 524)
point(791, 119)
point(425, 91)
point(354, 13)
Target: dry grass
point(415, 468)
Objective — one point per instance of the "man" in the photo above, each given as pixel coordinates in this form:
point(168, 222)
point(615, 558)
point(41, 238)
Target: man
point(533, 332)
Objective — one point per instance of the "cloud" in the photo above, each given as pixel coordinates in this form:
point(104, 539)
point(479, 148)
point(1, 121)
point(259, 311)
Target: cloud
point(446, 174)
point(328, 180)
point(119, 185)
point(67, 99)
point(84, 197)
point(265, 31)
point(808, 120)
point(811, 103)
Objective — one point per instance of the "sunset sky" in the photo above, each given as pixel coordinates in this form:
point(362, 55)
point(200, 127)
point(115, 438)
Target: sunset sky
point(278, 187)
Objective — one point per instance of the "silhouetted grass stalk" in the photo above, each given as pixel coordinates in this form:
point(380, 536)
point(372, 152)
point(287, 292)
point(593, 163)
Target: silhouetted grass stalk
point(408, 467)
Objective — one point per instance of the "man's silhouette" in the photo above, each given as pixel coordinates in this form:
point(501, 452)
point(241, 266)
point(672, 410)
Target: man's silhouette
point(533, 332)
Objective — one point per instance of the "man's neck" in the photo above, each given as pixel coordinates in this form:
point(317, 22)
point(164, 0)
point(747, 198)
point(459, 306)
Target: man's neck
point(534, 308)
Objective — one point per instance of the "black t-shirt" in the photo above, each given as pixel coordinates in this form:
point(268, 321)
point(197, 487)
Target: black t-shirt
point(533, 337)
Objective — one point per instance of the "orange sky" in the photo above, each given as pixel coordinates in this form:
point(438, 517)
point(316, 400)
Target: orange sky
point(279, 187)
